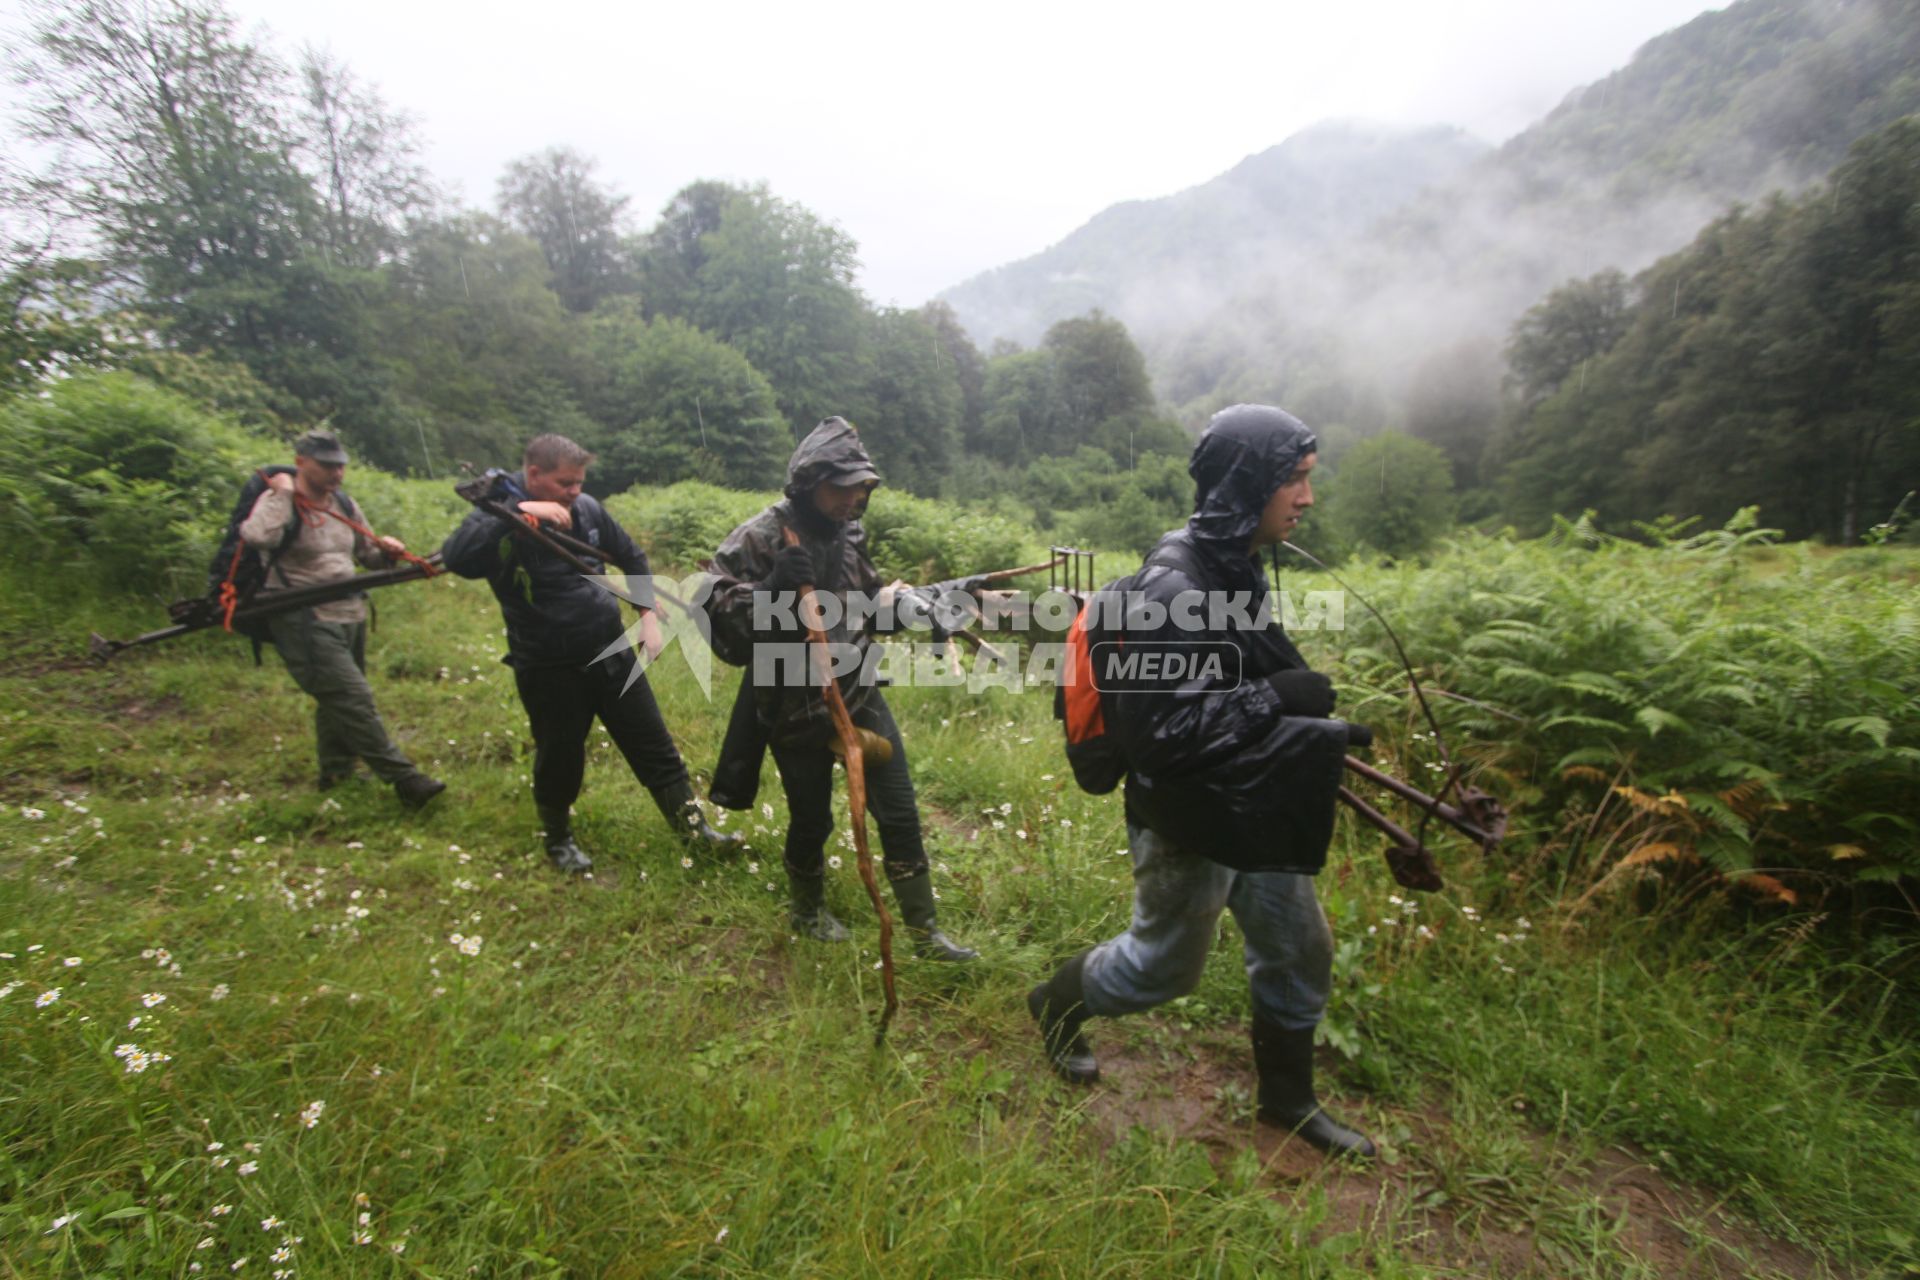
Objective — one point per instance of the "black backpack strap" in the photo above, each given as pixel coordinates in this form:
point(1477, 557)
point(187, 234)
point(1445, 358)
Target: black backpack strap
point(1174, 553)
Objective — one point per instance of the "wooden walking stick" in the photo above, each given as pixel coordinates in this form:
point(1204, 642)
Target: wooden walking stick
point(855, 762)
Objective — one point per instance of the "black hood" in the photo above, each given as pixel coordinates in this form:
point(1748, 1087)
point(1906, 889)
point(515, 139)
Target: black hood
point(1246, 452)
point(831, 451)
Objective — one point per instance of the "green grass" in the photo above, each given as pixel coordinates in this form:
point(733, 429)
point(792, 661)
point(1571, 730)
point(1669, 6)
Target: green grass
point(646, 1074)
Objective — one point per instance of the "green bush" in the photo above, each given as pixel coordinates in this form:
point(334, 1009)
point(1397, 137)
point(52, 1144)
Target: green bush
point(1390, 493)
point(925, 540)
point(681, 525)
point(919, 539)
point(107, 474)
point(421, 513)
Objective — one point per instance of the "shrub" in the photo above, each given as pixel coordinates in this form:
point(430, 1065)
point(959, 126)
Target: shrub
point(681, 525)
point(111, 475)
point(924, 540)
point(919, 539)
point(1715, 706)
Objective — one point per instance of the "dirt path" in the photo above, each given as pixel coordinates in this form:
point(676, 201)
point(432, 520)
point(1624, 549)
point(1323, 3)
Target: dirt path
point(1196, 1086)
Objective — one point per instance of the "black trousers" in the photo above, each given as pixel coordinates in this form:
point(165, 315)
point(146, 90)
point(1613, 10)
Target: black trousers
point(806, 773)
point(561, 703)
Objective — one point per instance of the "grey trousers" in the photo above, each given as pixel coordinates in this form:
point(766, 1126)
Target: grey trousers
point(328, 660)
point(1177, 900)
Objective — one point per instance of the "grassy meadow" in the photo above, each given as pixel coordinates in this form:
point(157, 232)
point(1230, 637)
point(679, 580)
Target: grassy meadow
point(246, 1028)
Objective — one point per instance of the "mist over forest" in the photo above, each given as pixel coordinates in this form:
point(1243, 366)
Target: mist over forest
point(1372, 279)
point(1478, 331)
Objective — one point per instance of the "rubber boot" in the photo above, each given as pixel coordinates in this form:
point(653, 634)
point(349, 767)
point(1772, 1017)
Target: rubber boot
point(915, 896)
point(416, 789)
point(1284, 1060)
point(808, 897)
point(1059, 1005)
point(684, 815)
point(562, 852)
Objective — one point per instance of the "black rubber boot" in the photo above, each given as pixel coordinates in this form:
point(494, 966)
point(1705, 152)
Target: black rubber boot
point(811, 919)
point(1284, 1060)
point(1059, 1005)
point(684, 815)
point(562, 852)
point(416, 789)
point(915, 896)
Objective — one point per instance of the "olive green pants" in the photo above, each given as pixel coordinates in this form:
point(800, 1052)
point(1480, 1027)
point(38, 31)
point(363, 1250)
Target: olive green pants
point(328, 660)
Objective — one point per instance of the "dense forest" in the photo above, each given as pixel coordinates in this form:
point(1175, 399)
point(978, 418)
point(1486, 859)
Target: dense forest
point(1416, 319)
point(256, 235)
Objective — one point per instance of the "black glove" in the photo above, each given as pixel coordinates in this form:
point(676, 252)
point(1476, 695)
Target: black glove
point(1359, 737)
point(791, 568)
point(1303, 693)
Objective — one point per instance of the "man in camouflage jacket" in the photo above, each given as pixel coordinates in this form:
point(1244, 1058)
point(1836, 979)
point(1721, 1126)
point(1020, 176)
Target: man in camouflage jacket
point(829, 480)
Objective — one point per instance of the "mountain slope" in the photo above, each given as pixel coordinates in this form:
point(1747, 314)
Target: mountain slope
point(1178, 255)
point(1357, 326)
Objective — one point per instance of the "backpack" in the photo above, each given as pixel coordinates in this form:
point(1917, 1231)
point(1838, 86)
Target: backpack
point(1097, 761)
point(1099, 764)
point(230, 562)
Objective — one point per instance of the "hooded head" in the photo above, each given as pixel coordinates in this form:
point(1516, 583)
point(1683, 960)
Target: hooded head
point(831, 454)
point(1246, 452)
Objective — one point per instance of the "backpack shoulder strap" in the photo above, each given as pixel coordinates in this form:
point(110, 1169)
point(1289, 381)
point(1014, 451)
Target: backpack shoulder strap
point(1174, 553)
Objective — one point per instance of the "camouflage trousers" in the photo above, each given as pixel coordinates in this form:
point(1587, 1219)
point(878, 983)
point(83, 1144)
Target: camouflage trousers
point(328, 660)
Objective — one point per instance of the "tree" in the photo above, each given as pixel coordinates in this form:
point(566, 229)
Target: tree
point(1099, 374)
point(1773, 362)
point(174, 144)
point(969, 366)
point(673, 253)
point(777, 286)
point(551, 196)
point(363, 160)
point(179, 156)
point(1391, 493)
point(1576, 323)
point(909, 408)
point(673, 404)
point(481, 349)
point(1017, 408)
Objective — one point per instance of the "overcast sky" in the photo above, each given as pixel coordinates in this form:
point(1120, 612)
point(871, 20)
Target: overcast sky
point(947, 144)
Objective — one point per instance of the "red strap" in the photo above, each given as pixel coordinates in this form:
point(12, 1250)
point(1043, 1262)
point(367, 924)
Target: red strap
point(229, 594)
point(311, 512)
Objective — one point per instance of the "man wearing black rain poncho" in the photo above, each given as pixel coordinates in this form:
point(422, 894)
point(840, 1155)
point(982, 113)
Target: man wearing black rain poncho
point(755, 619)
point(1231, 779)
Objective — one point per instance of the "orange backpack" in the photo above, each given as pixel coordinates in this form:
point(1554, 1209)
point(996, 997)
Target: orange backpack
point(1098, 762)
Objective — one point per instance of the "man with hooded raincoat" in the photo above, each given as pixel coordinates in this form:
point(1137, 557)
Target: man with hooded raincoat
point(755, 619)
point(1231, 781)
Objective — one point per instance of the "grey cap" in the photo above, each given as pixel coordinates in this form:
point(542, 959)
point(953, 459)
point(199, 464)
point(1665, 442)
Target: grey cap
point(321, 446)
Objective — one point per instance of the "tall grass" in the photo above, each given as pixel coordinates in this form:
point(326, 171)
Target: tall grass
point(648, 1074)
point(1722, 705)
